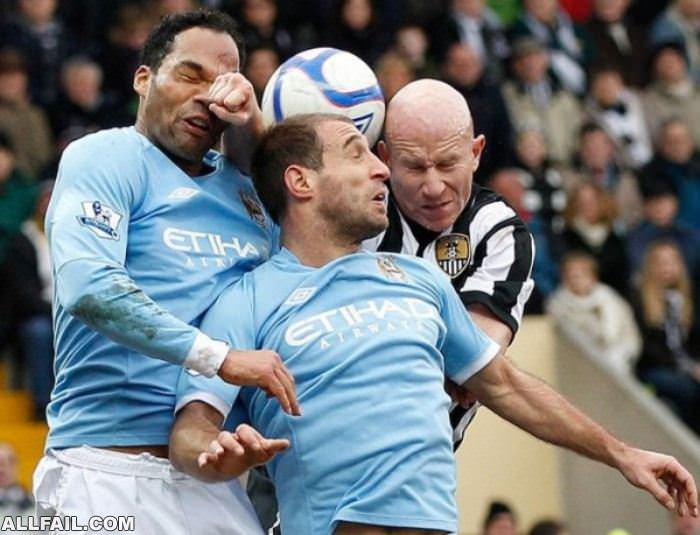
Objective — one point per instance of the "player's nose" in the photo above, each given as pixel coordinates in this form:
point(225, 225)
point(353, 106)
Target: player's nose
point(433, 185)
point(379, 169)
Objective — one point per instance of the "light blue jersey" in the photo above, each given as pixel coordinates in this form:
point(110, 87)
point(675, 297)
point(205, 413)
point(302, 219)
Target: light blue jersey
point(140, 250)
point(369, 338)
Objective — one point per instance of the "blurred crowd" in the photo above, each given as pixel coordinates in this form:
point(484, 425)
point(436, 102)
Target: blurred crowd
point(501, 519)
point(591, 110)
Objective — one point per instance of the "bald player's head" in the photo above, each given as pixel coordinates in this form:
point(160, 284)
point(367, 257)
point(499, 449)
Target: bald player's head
point(431, 150)
point(428, 105)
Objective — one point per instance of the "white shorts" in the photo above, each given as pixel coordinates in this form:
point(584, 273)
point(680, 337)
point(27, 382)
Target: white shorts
point(88, 482)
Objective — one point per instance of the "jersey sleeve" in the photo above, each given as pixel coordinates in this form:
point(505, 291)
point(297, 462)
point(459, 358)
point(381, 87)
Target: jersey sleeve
point(503, 258)
point(99, 186)
point(229, 320)
point(465, 347)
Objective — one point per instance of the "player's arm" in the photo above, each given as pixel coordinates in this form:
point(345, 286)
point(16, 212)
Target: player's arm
point(495, 294)
point(198, 447)
point(497, 290)
point(88, 245)
point(535, 407)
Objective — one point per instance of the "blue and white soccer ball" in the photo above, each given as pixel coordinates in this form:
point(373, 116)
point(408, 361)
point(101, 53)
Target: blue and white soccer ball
point(326, 80)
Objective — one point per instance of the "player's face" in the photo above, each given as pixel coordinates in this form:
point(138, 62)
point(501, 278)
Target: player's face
point(431, 173)
point(352, 190)
point(174, 111)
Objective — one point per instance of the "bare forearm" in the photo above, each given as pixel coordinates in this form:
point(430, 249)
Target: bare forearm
point(196, 427)
point(537, 408)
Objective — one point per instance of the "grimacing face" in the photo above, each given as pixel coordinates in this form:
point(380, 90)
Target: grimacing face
point(173, 109)
point(351, 183)
point(432, 172)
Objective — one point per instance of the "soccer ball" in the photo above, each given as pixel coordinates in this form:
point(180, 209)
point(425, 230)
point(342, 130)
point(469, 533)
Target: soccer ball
point(326, 80)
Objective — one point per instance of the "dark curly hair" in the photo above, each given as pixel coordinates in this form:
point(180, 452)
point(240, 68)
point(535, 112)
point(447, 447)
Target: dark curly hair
point(160, 40)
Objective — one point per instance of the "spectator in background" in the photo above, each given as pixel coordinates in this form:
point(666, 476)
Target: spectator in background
point(672, 92)
point(24, 124)
point(509, 182)
point(665, 310)
point(163, 8)
point(464, 70)
point(17, 196)
point(619, 111)
point(500, 520)
point(549, 25)
point(15, 500)
point(597, 162)
point(119, 57)
point(261, 28)
point(660, 223)
point(40, 36)
point(534, 99)
point(356, 28)
point(393, 72)
point(548, 527)
point(26, 272)
point(590, 216)
point(82, 107)
point(412, 44)
point(679, 23)
point(613, 38)
point(260, 64)
point(544, 183)
point(596, 311)
point(677, 162)
point(473, 24)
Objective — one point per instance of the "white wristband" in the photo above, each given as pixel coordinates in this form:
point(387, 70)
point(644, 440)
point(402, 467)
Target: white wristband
point(206, 355)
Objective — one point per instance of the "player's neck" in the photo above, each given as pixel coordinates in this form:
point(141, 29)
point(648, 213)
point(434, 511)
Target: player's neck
point(314, 246)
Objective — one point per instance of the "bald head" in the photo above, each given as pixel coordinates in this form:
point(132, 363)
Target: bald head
point(430, 107)
point(431, 151)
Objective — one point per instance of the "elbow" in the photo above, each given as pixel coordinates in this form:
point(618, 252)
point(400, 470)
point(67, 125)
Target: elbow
point(82, 304)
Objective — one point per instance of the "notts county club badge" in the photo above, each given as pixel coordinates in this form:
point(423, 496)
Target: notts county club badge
point(254, 208)
point(452, 253)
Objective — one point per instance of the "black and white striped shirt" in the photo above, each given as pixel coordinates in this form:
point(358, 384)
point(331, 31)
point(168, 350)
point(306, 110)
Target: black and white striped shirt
point(488, 254)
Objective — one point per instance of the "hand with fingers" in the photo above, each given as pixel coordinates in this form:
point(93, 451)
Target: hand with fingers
point(232, 99)
point(232, 453)
point(264, 369)
point(664, 478)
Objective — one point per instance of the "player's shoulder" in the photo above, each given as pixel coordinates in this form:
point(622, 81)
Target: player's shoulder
point(486, 211)
point(415, 268)
point(108, 143)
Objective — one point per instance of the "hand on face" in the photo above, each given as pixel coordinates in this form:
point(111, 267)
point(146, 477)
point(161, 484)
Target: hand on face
point(232, 100)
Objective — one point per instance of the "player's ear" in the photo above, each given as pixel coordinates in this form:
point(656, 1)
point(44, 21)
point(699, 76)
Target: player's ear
point(383, 151)
point(299, 181)
point(477, 149)
point(142, 77)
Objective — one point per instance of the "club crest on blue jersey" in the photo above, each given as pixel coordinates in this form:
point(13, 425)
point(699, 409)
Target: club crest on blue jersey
point(387, 266)
point(254, 208)
point(452, 253)
point(100, 219)
point(300, 295)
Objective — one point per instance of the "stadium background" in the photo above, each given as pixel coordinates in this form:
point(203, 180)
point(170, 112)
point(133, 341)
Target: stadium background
point(574, 109)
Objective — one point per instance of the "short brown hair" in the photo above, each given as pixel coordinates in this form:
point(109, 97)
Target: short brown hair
point(293, 141)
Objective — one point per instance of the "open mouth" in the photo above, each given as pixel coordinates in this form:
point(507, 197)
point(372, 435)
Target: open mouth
point(380, 198)
point(197, 126)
